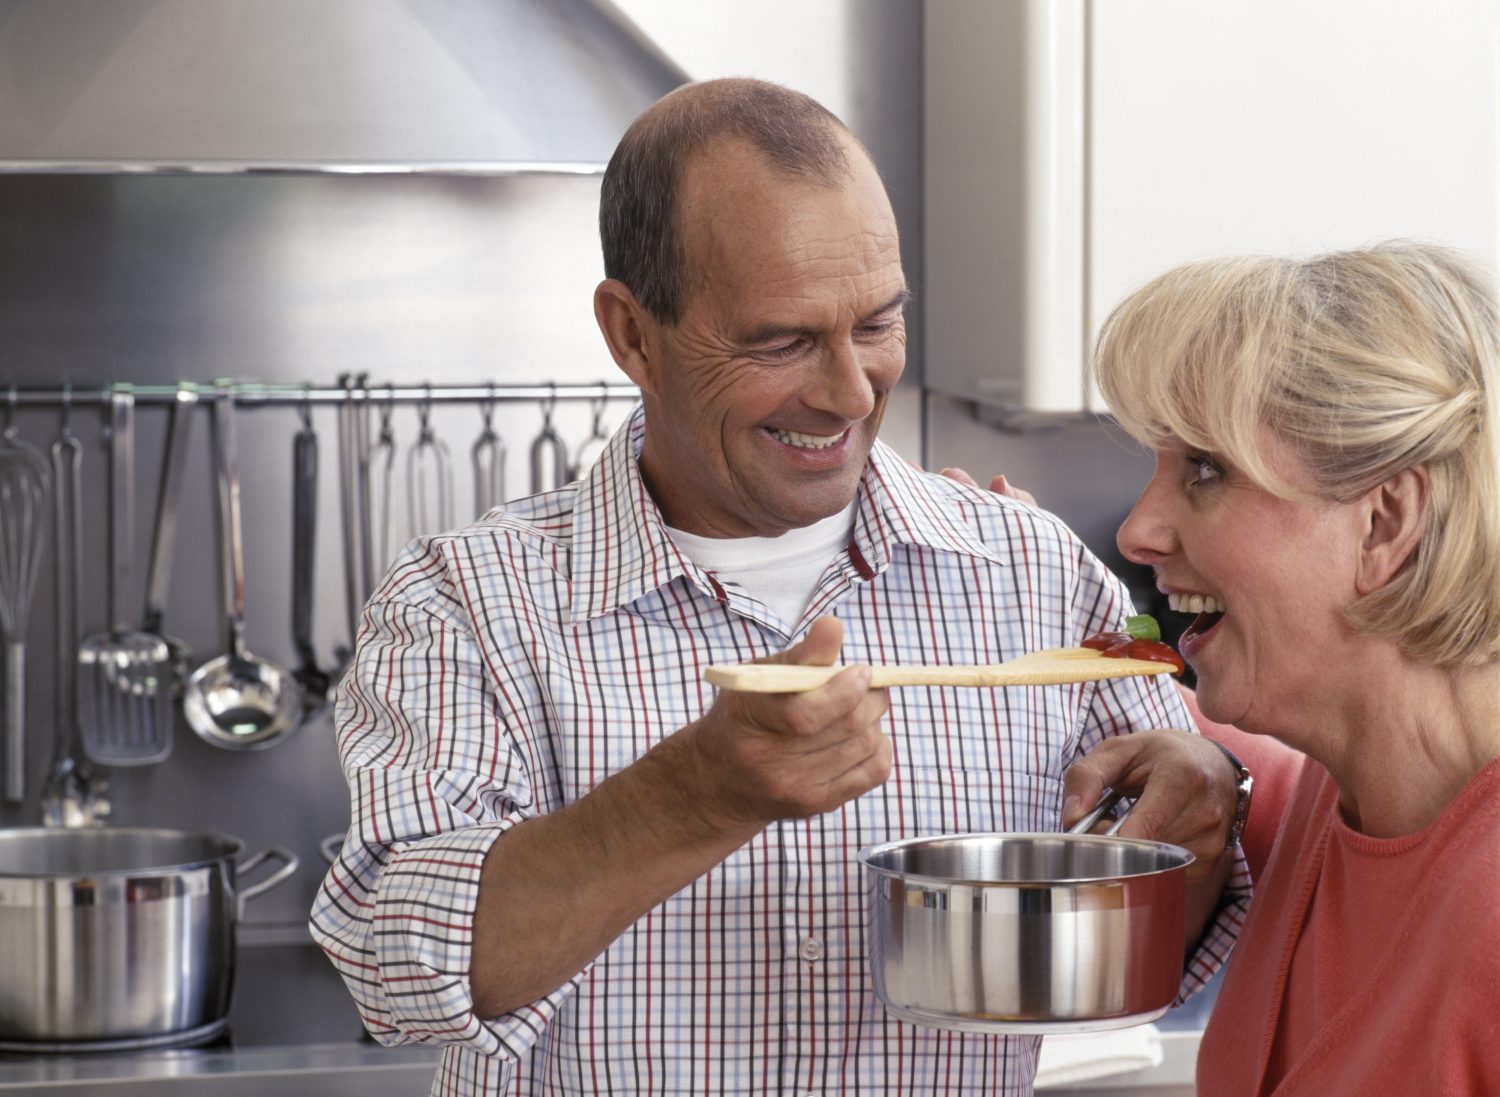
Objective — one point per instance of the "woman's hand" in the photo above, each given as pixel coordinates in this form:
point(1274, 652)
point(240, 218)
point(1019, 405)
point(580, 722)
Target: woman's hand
point(999, 485)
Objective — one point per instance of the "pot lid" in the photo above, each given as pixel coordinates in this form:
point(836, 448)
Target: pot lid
point(220, 86)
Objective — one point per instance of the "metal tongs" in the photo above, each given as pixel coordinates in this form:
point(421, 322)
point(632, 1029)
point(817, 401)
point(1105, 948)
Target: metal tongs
point(383, 461)
point(488, 456)
point(590, 449)
point(548, 448)
point(429, 477)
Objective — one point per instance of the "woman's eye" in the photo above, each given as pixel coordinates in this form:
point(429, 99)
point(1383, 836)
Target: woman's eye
point(1202, 469)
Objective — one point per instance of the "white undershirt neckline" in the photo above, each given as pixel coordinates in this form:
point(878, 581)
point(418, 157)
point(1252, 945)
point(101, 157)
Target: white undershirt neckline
point(782, 572)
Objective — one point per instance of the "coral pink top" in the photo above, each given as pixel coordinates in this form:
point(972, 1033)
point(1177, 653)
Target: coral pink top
point(1366, 965)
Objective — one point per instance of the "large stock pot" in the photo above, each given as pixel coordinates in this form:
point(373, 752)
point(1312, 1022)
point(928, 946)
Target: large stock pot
point(1026, 933)
point(120, 937)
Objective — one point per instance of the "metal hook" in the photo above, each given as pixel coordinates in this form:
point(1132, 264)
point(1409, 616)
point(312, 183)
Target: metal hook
point(305, 409)
point(549, 404)
point(487, 410)
point(10, 415)
point(600, 402)
point(386, 413)
point(67, 409)
point(424, 412)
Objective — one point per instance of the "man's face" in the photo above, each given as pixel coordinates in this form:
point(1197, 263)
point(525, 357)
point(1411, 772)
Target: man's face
point(766, 396)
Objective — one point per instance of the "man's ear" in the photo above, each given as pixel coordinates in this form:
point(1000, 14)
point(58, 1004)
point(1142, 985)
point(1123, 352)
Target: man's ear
point(1395, 514)
point(630, 332)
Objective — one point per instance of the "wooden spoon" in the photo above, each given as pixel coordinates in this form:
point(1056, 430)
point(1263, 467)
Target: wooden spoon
point(1052, 667)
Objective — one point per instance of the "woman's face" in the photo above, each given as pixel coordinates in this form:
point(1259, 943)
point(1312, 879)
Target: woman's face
point(1266, 577)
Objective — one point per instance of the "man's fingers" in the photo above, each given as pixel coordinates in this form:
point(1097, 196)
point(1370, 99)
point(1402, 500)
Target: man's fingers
point(815, 711)
point(819, 648)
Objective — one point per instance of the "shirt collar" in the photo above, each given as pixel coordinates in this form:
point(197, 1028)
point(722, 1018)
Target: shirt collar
point(621, 549)
point(899, 506)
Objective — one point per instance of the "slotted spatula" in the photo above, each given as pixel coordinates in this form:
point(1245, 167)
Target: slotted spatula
point(1051, 667)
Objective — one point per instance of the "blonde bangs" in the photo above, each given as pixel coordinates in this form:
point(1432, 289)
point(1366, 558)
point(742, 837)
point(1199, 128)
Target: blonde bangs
point(1194, 358)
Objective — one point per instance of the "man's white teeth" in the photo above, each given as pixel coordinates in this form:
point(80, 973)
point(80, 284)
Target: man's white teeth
point(1195, 603)
point(806, 441)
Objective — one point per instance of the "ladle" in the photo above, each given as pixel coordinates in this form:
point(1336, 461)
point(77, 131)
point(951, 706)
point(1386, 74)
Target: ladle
point(238, 701)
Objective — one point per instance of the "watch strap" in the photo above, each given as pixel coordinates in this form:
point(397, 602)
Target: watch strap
point(1244, 785)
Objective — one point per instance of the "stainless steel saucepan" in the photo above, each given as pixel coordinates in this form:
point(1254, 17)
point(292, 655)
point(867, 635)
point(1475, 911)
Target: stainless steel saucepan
point(120, 937)
point(1027, 933)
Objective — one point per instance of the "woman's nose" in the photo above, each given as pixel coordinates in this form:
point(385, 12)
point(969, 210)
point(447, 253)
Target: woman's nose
point(1146, 535)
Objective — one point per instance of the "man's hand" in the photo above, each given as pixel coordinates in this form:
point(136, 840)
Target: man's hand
point(1187, 791)
point(762, 756)
point(999, 485)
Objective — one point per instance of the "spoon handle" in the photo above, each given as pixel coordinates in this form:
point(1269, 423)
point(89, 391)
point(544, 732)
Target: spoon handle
point(229, 520)
point(159, 570)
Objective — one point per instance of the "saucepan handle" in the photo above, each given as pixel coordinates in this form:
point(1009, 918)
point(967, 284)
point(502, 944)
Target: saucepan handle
point(1105, 806)
point(289, 865)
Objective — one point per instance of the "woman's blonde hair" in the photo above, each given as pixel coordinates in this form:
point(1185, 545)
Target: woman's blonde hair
point(1367, 362)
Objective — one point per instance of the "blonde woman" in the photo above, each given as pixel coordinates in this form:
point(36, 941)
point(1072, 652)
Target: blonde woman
point(1327, 439)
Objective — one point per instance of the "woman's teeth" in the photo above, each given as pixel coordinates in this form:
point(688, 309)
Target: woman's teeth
point(1195, 603)
point(805, 441)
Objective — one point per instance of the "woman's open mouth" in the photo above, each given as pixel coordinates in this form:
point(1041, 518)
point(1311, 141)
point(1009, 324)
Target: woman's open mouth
point(1209, 612)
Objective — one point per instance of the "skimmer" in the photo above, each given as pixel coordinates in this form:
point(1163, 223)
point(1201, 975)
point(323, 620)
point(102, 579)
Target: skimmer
point(125, 676)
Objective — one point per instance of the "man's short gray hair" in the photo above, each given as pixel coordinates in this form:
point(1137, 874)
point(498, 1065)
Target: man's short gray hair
point(639, 227)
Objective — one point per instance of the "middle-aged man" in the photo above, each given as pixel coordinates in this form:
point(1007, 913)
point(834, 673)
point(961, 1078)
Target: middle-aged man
point(576, 864)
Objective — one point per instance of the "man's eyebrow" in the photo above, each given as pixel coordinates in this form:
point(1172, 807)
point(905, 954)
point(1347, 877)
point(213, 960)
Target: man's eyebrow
point(900, 301)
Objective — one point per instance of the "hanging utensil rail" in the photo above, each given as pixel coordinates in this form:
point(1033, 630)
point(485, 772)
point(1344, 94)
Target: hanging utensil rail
point(253, 395)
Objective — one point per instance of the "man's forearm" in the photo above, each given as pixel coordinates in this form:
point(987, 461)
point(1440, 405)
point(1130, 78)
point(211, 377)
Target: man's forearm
point(557, 890)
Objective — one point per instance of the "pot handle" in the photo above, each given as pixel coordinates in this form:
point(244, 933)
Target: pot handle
point(289, 865)
point(1106, 805)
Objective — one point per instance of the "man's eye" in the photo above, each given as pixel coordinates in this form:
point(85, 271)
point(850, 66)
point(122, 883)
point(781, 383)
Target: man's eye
point(783, 350)
point(876, 330)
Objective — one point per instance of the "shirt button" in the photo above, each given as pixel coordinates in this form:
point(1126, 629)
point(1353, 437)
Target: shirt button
point(812, 949)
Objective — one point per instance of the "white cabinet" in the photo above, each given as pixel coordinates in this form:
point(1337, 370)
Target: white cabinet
point(1077, 147)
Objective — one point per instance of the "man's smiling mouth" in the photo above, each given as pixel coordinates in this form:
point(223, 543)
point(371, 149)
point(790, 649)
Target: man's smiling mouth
point(805, 441)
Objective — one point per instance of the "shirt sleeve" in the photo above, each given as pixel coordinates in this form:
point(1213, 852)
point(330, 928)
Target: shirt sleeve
point(435, 749)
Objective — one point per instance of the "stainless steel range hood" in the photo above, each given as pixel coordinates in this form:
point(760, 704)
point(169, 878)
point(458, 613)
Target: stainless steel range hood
point(482, 86)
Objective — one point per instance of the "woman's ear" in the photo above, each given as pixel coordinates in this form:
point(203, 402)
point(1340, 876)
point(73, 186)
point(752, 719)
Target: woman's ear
point(1395, 513)
point(630, 332)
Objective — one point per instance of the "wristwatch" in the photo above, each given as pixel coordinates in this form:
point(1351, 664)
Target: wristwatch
point(1243, 785)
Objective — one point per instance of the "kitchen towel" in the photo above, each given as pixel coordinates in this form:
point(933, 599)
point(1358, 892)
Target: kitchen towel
point(1079, 1057)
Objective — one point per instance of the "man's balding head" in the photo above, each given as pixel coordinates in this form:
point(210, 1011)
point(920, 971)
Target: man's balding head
point(639, 206)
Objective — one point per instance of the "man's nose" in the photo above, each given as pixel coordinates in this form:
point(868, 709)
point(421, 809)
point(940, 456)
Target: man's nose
point(846, 386)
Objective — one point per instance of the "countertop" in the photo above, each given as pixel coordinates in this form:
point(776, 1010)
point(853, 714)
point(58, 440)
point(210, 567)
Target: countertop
point(293, 1032)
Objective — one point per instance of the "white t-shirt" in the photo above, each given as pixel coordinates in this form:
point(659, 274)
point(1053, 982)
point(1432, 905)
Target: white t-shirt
point(780, 571)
